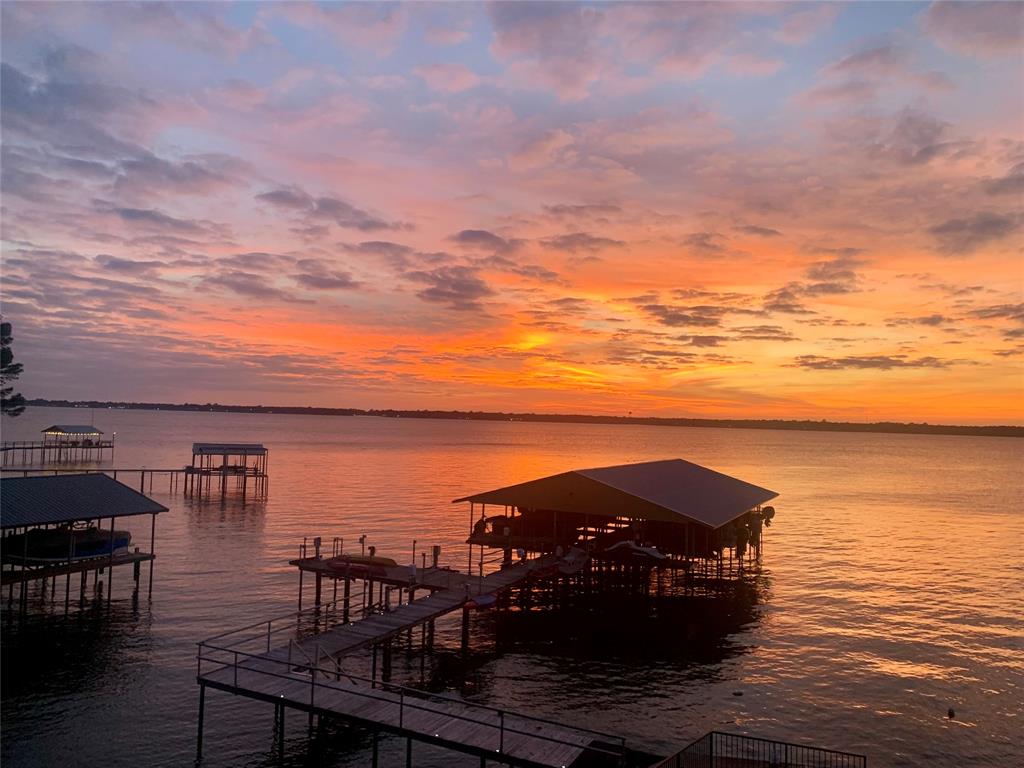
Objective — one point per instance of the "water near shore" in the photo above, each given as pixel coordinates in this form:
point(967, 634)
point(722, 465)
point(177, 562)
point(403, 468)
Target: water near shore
point(893, 591)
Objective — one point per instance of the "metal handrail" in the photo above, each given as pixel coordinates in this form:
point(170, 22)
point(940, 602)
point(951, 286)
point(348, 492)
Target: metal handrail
point(414, 693)
point(323, 607)
point(706, 750)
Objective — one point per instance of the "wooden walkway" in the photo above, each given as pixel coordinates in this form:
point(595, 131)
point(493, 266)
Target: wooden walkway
point(452, 590)
point(75, 566)
point(444, 721)
point(297, 675)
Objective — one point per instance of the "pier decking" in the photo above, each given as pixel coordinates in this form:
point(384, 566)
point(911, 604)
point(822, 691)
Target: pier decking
point(305, 674)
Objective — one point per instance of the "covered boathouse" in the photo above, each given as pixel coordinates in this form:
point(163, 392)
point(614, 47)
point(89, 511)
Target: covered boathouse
point(670, 514)
point(214, 465)
point(59, 525)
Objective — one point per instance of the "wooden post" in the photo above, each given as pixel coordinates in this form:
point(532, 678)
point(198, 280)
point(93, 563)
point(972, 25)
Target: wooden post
point(373, 667)
point(280, 733)
point(344, 610)
point(202, 712)
point(110, 575)
point(465, 630)
point(71, 555)
point(152, 551)
point(319, 583)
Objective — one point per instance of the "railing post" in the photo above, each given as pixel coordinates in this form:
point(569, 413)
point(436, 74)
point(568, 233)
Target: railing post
point(501, 731)
point(268, 637)
point(236, 668)
point(401, 707)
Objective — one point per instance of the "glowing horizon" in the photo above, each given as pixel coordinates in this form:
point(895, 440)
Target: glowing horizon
point(695, 210)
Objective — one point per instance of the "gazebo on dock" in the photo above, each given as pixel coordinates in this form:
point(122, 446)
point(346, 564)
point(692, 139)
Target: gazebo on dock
point(218, 462)
point(662, 514)
point(71, 442)
point(56, 525)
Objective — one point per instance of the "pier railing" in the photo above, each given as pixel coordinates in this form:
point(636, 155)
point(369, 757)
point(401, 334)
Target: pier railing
point(726, 750)
point(259, 635)
point(229, 662)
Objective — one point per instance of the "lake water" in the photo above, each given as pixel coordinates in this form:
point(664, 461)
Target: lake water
point(892, 590)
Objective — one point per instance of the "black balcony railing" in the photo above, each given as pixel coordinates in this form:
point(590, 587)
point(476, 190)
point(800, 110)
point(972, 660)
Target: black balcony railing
point(730, 750)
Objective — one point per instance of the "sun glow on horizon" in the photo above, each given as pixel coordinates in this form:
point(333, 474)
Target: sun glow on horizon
point(800, 214)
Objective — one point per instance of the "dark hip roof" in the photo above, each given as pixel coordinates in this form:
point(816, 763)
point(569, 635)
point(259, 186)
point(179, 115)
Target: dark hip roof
point(27, 501)
point(672, 491)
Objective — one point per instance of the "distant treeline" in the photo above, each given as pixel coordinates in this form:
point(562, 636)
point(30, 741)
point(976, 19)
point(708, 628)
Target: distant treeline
point(816, 426)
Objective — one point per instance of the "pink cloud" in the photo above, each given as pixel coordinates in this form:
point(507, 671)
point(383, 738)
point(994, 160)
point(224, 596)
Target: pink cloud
point(982, 29)
point(798, 28)
point(448, 78)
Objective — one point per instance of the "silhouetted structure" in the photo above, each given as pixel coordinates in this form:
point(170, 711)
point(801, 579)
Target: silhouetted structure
point(653, 516)
point(53, 526)
point(577, 534)
point(61, 444)
point(215, 464)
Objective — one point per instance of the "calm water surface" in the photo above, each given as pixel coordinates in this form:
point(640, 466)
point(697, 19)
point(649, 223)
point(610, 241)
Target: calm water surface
point(892, 591)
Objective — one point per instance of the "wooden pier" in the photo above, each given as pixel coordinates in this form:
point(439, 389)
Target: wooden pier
point(61, 444)
point(585, 534)
point(142, 478)
point(305, 673)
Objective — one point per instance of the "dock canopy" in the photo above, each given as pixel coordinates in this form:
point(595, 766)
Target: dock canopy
point(671, 491)
point(72, 429)
point(228, 449)
point(48, 500)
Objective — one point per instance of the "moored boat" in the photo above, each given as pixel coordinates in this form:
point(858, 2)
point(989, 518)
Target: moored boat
point(49, 545)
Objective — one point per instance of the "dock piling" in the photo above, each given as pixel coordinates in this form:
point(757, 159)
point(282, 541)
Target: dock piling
point(199, 730)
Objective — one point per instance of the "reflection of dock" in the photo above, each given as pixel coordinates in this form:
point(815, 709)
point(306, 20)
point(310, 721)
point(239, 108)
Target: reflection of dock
point(305, 674)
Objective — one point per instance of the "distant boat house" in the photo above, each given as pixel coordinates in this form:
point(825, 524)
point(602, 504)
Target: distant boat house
point(214, 464)
point(63, 443)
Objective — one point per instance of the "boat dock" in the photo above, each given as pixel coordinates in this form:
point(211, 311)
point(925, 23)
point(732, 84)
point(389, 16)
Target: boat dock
point(56, 526)
point(305, 673)
point(61, 443)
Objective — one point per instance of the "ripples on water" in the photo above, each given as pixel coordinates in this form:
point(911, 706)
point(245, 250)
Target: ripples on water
point(892, 591)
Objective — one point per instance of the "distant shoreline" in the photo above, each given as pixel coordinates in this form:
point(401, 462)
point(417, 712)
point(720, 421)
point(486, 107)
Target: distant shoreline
point(789, 424)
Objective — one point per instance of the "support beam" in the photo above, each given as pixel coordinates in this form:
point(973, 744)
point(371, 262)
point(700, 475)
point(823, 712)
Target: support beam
point(202, 713)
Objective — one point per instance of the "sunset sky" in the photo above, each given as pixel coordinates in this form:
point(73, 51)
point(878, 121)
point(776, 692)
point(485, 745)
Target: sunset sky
point(723, 210)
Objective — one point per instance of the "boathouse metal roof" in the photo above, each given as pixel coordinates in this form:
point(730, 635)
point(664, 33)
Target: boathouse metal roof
point(72, 429)
point(240, 449)
point(671, 491)
point(45, 500)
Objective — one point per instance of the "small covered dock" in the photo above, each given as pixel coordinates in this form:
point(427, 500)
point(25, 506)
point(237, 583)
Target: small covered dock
point(670, 514)
point(216, 466)
point(55, 526)
point(61, 444)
